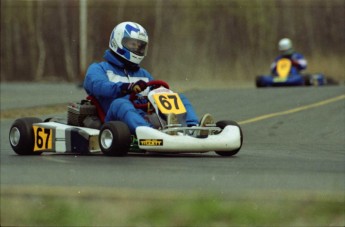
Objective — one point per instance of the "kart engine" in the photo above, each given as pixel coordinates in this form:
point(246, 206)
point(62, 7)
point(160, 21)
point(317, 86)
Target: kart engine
point(83, 114)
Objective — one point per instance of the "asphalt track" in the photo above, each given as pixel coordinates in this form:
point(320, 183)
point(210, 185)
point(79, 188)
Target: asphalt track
point(294, 141)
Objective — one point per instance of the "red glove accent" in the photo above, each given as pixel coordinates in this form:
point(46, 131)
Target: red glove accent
point(295, 63)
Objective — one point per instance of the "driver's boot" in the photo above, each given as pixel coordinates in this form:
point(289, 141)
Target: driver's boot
point(172, 121)
point(206, 120)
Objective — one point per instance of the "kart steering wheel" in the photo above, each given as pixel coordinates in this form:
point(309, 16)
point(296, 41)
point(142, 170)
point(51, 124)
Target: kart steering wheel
point(157, 83)
point(154, 84)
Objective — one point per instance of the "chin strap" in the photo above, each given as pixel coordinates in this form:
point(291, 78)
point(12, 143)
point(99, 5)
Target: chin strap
point(127, 65)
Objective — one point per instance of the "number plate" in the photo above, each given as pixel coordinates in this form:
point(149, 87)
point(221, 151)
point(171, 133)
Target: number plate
point(283, 67)
point(43, 138)
point(169, 103)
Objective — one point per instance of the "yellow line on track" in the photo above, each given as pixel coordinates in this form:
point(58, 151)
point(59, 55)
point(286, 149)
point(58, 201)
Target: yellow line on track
point(294, 110)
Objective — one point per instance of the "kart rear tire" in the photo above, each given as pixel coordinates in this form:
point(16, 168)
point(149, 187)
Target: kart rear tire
point(258, 82)
point(22, 136)
point(308, 80)
point(222, 125)
point(114, 138)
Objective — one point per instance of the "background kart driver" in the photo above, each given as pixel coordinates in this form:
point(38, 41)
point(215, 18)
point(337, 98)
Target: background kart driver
point(298, 61)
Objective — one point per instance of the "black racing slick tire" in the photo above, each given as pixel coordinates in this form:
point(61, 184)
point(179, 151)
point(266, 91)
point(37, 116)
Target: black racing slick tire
point(222, 125)
point(22, 136)
point(258, 82)
point(114, 138)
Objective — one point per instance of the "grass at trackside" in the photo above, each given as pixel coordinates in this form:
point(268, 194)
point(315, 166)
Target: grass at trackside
point(33, 111)
point(177, 209)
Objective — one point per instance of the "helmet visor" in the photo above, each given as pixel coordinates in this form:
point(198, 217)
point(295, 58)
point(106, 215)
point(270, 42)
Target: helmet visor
point(135, 46)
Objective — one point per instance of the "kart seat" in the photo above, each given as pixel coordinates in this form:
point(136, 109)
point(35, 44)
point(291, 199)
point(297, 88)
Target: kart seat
point(99, 109)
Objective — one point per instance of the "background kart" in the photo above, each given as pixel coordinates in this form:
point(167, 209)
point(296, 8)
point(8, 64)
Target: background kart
point(285, 78)
point(85, 132)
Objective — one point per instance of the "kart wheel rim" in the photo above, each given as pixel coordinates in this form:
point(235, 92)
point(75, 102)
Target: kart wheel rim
point(14, 136)
point(106, 139)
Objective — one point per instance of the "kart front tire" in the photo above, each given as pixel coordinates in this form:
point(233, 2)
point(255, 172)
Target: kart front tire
point(222, 125)
point(114, 138)
point(22, 136)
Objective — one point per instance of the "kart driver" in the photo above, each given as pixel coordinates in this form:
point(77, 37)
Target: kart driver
point(111, 81)
point(297, 60)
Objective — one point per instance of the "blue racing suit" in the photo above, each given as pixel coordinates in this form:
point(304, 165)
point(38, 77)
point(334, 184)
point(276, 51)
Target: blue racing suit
point(298, 63)
point(104, 81)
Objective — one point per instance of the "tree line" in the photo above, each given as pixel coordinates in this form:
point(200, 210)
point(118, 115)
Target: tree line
point(192, 39)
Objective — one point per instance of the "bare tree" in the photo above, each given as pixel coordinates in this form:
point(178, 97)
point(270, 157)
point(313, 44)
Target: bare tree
point(65, 36)
point(40, 43)
point(7, 55)
point(83, 38)
point(31, 38)
point(157, 29)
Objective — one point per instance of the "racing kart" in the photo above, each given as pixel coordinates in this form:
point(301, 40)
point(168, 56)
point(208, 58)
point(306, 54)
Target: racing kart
point(285, 78)
point(85, 131)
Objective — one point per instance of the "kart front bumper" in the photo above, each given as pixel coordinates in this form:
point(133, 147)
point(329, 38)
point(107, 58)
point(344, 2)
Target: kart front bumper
point(269, 80)
point(150, 139)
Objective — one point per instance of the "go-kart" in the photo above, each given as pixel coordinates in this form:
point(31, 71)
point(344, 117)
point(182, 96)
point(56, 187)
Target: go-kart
point(284, 77)
point(85, 131)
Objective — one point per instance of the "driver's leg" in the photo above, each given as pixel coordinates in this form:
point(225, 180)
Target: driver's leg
point(191, 117)
point(123, 110)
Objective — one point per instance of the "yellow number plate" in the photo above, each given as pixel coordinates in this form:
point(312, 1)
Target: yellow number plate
point(283, 67)
point(43, 138)
point(169, 103)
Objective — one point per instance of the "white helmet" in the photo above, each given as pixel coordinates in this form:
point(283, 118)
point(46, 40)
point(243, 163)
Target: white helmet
point(285, 44)
point(129, 40)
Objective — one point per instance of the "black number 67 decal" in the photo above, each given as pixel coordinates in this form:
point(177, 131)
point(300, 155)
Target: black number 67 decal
point(43, 138)
point(169, 103)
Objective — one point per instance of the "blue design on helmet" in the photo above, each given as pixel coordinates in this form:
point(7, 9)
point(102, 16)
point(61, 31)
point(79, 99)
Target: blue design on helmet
point(128, 29)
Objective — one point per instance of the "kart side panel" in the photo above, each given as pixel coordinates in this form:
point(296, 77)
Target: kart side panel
point(72, 139)
point(153, 140)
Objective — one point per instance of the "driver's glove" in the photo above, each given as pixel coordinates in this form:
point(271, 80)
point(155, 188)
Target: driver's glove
point(136, 87)
point(294, 62)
